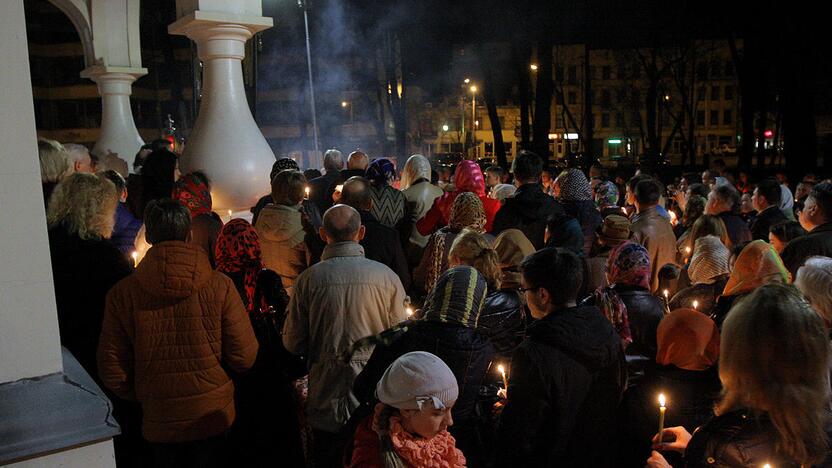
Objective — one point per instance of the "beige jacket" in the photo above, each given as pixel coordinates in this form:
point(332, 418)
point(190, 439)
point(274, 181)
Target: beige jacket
point(655, 233)
point(337, 302)
point(418, 200)
point(281, 239)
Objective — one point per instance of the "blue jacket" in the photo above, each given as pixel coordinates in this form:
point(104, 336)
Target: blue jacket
point(125, 229)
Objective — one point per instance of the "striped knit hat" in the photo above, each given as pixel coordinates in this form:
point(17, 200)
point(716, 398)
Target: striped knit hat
point(709, 261)
point(458, 297)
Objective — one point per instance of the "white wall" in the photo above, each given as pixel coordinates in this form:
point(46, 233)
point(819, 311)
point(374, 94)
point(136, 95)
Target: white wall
point(29, 341)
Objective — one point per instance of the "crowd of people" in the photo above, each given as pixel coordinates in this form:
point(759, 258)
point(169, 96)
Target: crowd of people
point(423, 316)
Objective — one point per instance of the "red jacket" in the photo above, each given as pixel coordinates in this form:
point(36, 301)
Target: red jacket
point(468, 178)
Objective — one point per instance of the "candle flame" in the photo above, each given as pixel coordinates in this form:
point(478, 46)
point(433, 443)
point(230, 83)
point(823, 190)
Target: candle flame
point(501, 369)
point(409, 312)
point(767, 465)
point(662, 401)
point(666, 292)
point(695, 304)
point(229, 213)
point(687, 250)
point(135, 255)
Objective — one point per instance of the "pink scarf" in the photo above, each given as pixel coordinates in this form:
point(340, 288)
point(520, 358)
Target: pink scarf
point(438, 452)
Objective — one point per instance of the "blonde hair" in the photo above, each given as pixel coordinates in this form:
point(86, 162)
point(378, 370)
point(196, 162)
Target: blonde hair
point(85, 205)
point(470, 248)
point(774, 357)
point(54, 161)
point(814, 280)
point(708, 225)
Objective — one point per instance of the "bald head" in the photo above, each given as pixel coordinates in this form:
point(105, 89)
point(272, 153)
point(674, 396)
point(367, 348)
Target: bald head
point(358, 160)
point(356, 193)
point(341, 224)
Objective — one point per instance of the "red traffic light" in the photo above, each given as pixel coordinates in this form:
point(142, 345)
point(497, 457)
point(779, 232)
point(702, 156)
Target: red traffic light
point(768, 134)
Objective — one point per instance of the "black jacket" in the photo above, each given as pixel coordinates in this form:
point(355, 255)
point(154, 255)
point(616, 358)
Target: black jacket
point(816, 242)
point(567, 379)
point(738, 438)
point(83, 273)
point(705, 294)
point(466, 352)
point(589, 218)
point(528, 210)
point(644, 312)
point(737, 229)
point(321, 189)
point(381, 243)
point(503, 321)
point(764, 220)
point(692, 394)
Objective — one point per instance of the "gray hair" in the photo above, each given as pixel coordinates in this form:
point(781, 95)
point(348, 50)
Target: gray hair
point(333, 160)
point(54, 161)
point(814, 280)
point(76, 152)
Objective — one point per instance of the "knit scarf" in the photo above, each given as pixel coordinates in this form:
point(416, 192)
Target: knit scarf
point(238, 251)
point(438, 452)
point(194, 194)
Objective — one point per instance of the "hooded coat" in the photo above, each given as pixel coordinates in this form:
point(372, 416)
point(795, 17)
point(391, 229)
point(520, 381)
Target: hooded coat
point(281, 239)
point(169, 331)
point(528, 210)
point(419, 195)
point(566, 382)
point(468, 178)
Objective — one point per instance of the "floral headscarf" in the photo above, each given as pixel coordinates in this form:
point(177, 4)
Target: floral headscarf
point(381, 172)
point(606, 194)
point(573, 186)
point(757, 264)
point(238, 251)
point(192, 192)
point(628, 264)
point(467, 212)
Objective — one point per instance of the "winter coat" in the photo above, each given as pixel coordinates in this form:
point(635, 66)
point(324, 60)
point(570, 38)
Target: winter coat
point(281, 240)
point(321, 189)
point(588, 216)
point(388, 205)
point(204, 231)
point(467, 178)
point(816, 242)
point(125, 229)
point(765, 220)
point(566, 382)
point(380, 243)
point(337, 302)
point(738, 438)
point(419, 197)
point(466, 351)
point(655, 233)
point(307, 207)
point(529, 211)
point(693, 396)
point(169, 332)
point(503, 320)
point(644, 312)
point(83, 271)
point(737, 229)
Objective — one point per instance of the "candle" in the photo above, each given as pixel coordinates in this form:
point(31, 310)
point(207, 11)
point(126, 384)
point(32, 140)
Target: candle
point(409, 312)
point(687, 251)
point(662, 409)
point(229, 214)
point(768, 465)
point(695, 304)
point(502, 370)
point(666, 292)
point(307, 192)
point(135, 256)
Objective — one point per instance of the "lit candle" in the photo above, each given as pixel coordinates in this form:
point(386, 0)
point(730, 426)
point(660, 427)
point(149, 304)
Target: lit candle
point(307, 192)
point(662, 410)
point(665, 292)
point(409, 312)
point(502, 370)
point(687, 251)
point(768, 465)
point(695, 304)
point(135, 256)
point(229, 214)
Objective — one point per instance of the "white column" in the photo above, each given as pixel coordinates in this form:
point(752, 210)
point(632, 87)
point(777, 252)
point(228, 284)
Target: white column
point(226, 142)
point(118, 130)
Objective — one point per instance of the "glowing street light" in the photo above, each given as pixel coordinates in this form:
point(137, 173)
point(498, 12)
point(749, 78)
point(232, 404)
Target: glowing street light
point(666, 97)
point(445, 128)
point(533, 67)
point(466, 80)
point(473, 88)
point(344, 104)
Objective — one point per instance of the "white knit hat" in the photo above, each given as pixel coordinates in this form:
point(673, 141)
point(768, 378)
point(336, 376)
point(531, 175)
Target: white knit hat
point(416, 378)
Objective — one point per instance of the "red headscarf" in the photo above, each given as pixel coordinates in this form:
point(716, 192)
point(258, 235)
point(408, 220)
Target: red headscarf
point(238, 251)
point(192, 192)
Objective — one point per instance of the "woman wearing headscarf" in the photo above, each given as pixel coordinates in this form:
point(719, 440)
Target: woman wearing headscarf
point(575, 195)
point(467, 178)
point(265, 426)
point(419, 195)
point(685, 372)
point(502, 319)
point(564, 231)
point(614, 230)
point(606, 199)
point(193, 190)
point(756, 265)
point(446, 327)
point(628, 304)
point(388, 203)
point(467, 212)
point(708, 272)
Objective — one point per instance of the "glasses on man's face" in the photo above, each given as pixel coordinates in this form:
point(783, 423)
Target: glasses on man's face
point(523, 290)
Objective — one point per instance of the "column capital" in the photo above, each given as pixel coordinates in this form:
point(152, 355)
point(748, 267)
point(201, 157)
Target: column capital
point(200, 24)
point(100, 72)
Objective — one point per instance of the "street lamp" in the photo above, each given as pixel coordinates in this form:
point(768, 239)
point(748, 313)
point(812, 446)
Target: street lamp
point(445, 128)
point(466, 80)
point(533, 67)
point(344, 105)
